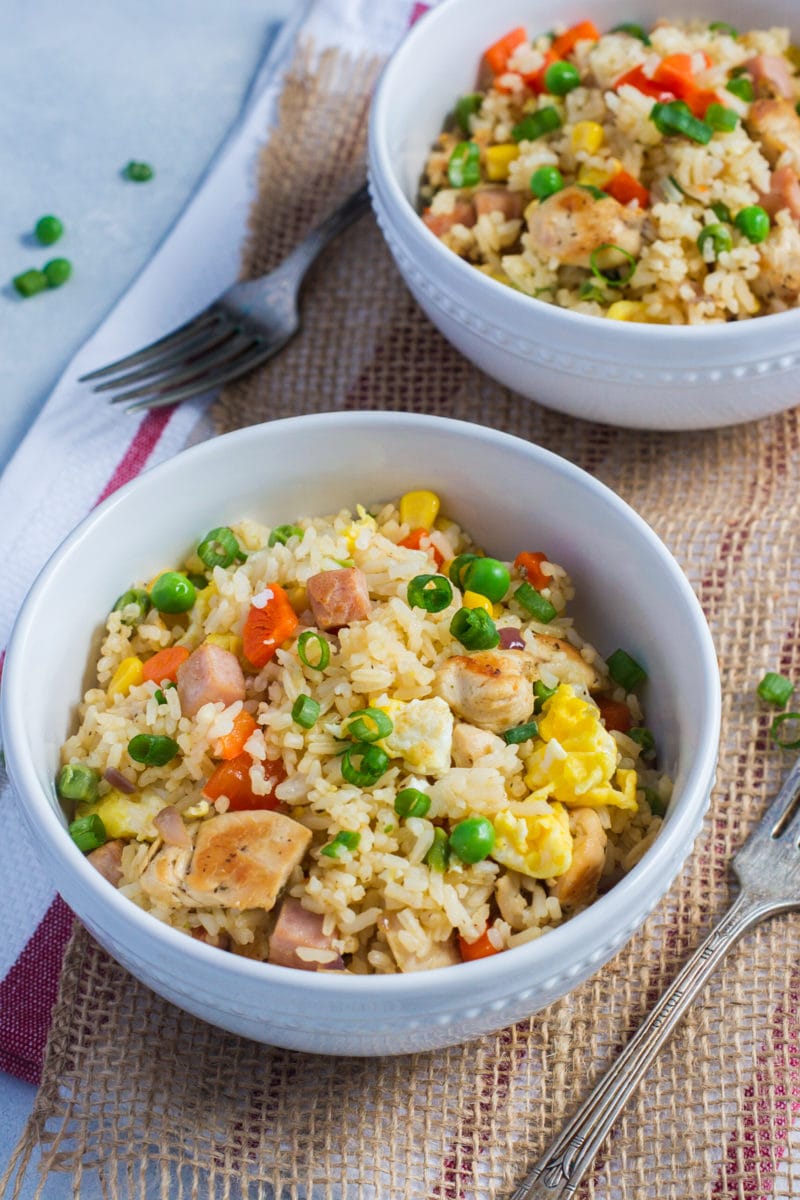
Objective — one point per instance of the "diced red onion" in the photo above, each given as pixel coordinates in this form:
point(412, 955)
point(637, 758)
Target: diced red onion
point(119, 781)
point(169, 824)
point(511, 639)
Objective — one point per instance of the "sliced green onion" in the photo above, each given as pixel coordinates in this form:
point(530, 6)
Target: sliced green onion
point(722, 212)
point(30, 282)
point(464, 167)
point(589, 290)
point(431, 592)
point(438, 857)
point(140, 598)
point(614, 281)
point(657, 806)
point(373, 764)
point(159, 696)
point(78, 782)
point(346, 839)
point(521, 733)
point(676, 117)
point(672, 190)
point(775, 688)
point(197, 581)
point(475, 629)
point(593, 191)
point(305, 711)
point(411, 802)
point(466, 107)
point(358, 728)
point(323, 650)
point(724, 27)
point(536, 125)
point(458, 566)
point(645, 739)
point(88, 832)
point(282, 533)
point(720, 118)
point(775, 726)
point(625, 670)
point(535, 603)
point(742, 87)
point(152, 750)
point(542, 693)
point(218, 548)
point(719, 236)
point(632, 30)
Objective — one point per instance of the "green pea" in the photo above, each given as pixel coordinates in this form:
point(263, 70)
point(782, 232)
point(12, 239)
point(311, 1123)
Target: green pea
point(152, 750)
point(753, 222)
point(411, 802)
point(137, 597)
point(138, 172)
point(488, 577)
point(48, 230)
point(560, 78)
point(57, 271)
point(78, 782)
point(29, 283)
point(546, 181)
point(173, 593)
point(473, 839)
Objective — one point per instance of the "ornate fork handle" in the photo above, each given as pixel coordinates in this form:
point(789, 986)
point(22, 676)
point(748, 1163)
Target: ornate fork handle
point(561, 1168)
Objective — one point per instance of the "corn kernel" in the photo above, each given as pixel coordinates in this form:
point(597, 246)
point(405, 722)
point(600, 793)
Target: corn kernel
point(588, 136)
point(419, 509)
point(298, 597)
point(127, 675)
point(627, 310)
point(530, 209)
point(594, 177)
point(227, 641)
point(475, 600)
point(499, 158)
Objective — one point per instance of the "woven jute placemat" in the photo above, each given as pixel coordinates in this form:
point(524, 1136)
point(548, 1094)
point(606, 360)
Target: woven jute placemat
point(156, 1103)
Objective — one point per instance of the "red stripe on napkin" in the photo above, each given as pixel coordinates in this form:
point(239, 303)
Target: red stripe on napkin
point(135, 457)
point(417, 11)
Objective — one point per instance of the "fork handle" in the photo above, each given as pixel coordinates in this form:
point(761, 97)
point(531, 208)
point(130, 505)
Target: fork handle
point(559, 1171)
point(312, 245)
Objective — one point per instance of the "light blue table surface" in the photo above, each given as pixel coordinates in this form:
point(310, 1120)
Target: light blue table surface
point(84, 88)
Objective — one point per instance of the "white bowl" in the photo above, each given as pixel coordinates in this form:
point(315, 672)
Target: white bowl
point(643, 376)
point(506, 491)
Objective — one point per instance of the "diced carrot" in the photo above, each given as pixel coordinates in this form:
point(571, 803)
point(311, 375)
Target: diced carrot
point(164, 664)
point(615, 714)
point(637, 78)
point(232, 779)
point(482, 948)
point(676, 73)
point(233, 743)
point(500, 52)
point(530, 565)
point(269, 627)
point(626, 188)
point(584, 31)
point(414, 541)
point(535, 79)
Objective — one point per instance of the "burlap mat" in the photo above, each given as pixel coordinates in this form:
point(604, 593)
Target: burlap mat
point(162, 1105)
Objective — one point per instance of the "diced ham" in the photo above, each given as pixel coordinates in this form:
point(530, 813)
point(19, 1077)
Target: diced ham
point(107, 859)
point(499, 199)
point(771, 75)
point(784, 192)
point(338, 598)
point(298, 929)
point(209, 674)
point(439, 223)
point(776, 125)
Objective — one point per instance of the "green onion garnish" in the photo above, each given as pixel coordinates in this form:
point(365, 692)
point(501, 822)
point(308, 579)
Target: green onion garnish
point(30, 282)
point(775, 726)
point(632, 30)
point(411, 802)
point(724, 27)
point(76, 781)
point(197, 581)
point(475, 629)
point(625, 670)
point(138, 597)
point(676, 117)
point(159, 696)
point(645, 739)
point(615, 280)
point(373, 763)
point(152, 750)
point(88, 832)
point(521, 733)
point(542, 693)
point(775, 688)
point(466, 107)
point(741, 87)
point(380, 725)
point(593, 191)
point(346, 839)
point(431, 592)
point(464, 167)
point(535, 603)
point(305, 711)
point(536, 125)
point(218, 548)
point(720, 118)
point(657, 806)
point(589, 290)
point(458, 566)
point(282, 533)
point(438, 856)
point(722, 212)
point(323, 653)
point(720, 238)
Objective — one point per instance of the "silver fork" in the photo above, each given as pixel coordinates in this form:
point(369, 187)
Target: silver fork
point(768, 870)
point(242, 328)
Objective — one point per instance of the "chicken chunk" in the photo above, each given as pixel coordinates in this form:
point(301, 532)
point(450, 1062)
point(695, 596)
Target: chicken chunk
point(338, 598)
point(298, 930)
point(578, 885)
point(440, 223)
point(771, 76)
point(776, 125)
point(164, 879)
point(784, 192)
point(107, 859)
point(499, 199)
point(779, 276)
point(209, 674)
point(470, 745)
point(243, 859)
point(441, 954)
point(490, 689)
point(564, 661)
point(571, 224)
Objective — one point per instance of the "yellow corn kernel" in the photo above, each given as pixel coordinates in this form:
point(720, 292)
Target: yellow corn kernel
point(298, 597)
point(627, 310)
point(588, 136)
point(419, 509)
point(594, 177)
point(227, 641)
point(530, 209)
point(793, 55)
point(127, 675)
point(499, 158)
point(475, 600)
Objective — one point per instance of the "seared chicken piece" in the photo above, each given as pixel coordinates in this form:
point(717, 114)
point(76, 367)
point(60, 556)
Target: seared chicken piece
point(771, 75)
point(564, 661)
point(491, 688)
point(440, 223)
point(776, 125)
point(470, 745)
point(779, 277)
point(578, 885)
point(442, 954)
point(164, 879)
point(571, 224)
point(209, 674)
point(107, 859)
point(339, 597)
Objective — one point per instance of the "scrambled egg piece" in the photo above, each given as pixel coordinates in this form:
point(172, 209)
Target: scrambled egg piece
point(576, 758)
point(364, 525)
point(538, 844)
point(127, 816)
point(422, 734)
